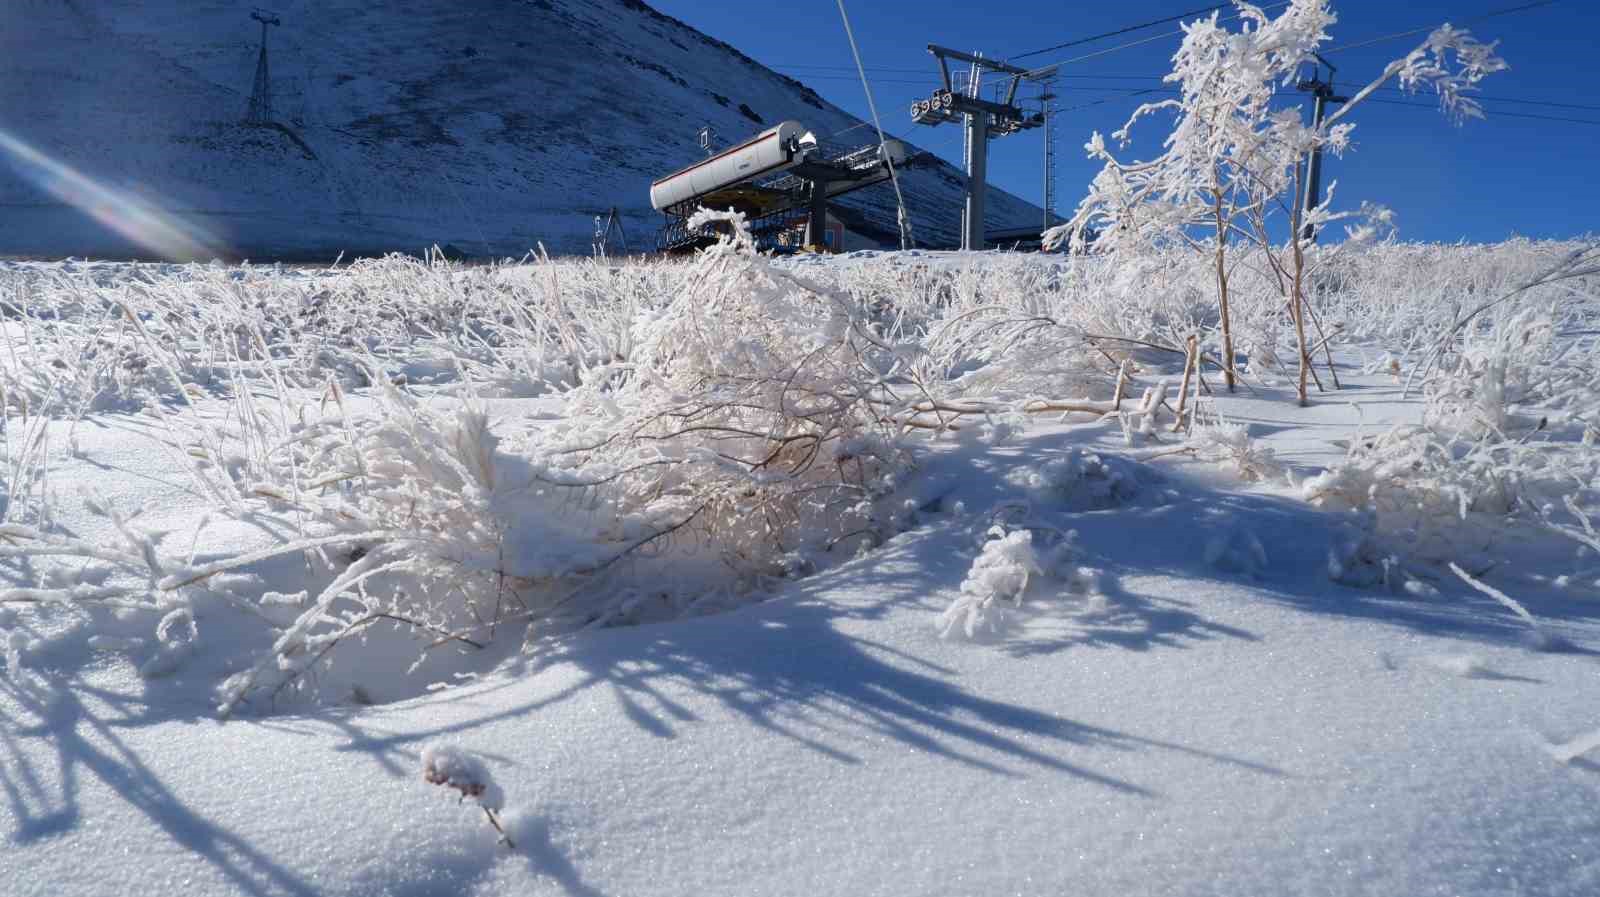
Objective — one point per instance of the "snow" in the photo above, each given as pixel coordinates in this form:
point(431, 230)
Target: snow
point(1179, 698)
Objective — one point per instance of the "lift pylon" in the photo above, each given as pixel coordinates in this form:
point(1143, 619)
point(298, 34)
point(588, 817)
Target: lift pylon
point(983, 118)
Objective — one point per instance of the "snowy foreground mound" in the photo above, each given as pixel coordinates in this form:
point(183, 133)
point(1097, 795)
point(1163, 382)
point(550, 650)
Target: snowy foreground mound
point(915, 574)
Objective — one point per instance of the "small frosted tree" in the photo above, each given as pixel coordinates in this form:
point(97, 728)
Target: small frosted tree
point(1231, 158)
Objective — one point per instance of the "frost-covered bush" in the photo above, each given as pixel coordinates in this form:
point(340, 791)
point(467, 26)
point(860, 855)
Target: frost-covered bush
point(1081, 481)
point(1233, 157)
point(1358, 556)
point(748, 424)
point(703, 428)
point(756, 416)
point(1222, 441)
point(1014, 555)
point(998, 576)
point(1509, 432)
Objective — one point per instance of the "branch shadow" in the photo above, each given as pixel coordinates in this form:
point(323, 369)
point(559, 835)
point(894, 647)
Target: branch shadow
point(1166, 531)
point(1296, 538)
point(85, 743)
point(1129, 621)
point(797, 669)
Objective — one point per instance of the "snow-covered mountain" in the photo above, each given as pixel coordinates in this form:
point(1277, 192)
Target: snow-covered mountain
point(492, 125)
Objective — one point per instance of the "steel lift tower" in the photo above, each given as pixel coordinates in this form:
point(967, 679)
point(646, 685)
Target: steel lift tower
point(1323, 92)
point(1047, 103)
point(984, 119)
point(260, 110)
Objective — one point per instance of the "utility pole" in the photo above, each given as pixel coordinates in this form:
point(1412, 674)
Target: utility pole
point(1322, 92)
point(983, 118)
point(260, 110)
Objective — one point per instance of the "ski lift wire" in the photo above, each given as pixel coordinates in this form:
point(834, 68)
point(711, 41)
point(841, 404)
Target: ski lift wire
point(883, 149)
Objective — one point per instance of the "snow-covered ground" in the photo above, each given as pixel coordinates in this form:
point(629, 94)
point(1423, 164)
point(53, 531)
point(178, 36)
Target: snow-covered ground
point(981, 642)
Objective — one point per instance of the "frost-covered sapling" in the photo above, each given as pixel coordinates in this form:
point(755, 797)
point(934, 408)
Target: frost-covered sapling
point(1232, 157)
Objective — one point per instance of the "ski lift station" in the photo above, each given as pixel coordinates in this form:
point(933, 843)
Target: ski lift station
point(781, 179)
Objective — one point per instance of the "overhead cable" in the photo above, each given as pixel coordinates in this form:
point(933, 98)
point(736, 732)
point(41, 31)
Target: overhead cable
point(1493, 13)
point(883, 147)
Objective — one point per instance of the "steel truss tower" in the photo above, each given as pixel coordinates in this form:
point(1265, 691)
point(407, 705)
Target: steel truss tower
point(260, 110)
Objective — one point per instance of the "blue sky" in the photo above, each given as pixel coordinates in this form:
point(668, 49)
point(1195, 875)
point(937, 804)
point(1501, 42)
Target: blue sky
point(1484, 181)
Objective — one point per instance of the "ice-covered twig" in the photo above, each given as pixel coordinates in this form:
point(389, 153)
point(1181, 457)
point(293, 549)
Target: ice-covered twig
point(452, 767)
point(1541, 639)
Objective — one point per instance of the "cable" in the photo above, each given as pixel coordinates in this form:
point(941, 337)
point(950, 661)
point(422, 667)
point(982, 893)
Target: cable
point(1415, 31)
point(883, 149)
point(1139, 27)
point(1498, 112)
point(1498, 99)
point(1145, 40)
point(1122, 96)
point(1524, 102)
point(1492, 112)
point(872, 68)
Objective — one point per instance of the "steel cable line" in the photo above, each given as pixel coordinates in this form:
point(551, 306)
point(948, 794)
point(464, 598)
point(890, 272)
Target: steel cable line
point(1121, 31)
point(1145, 40)
point(796, 68)
point(1493, 13)
point(1498, 99)
point(1497, 112)
point(1490, 112)
point(883, 147)
point(1085, 40)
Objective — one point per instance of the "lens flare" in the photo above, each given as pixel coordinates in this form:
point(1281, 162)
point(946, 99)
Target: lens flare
point(146, 226)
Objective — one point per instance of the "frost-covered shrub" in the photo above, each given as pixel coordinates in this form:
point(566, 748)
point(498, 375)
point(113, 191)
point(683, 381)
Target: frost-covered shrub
point(755, 417)
point(1357, 556)
point(1224, 442)
point(706, 428)
point(1013, 556)
point(1081, 481)
point(999, 575)
point(1510, 426)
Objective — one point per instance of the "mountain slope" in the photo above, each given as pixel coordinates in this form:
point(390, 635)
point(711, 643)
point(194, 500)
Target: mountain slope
point(493, 126)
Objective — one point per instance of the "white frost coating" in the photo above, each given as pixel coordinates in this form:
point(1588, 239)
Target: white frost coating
point(1081, 481)
point(1538, 637)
